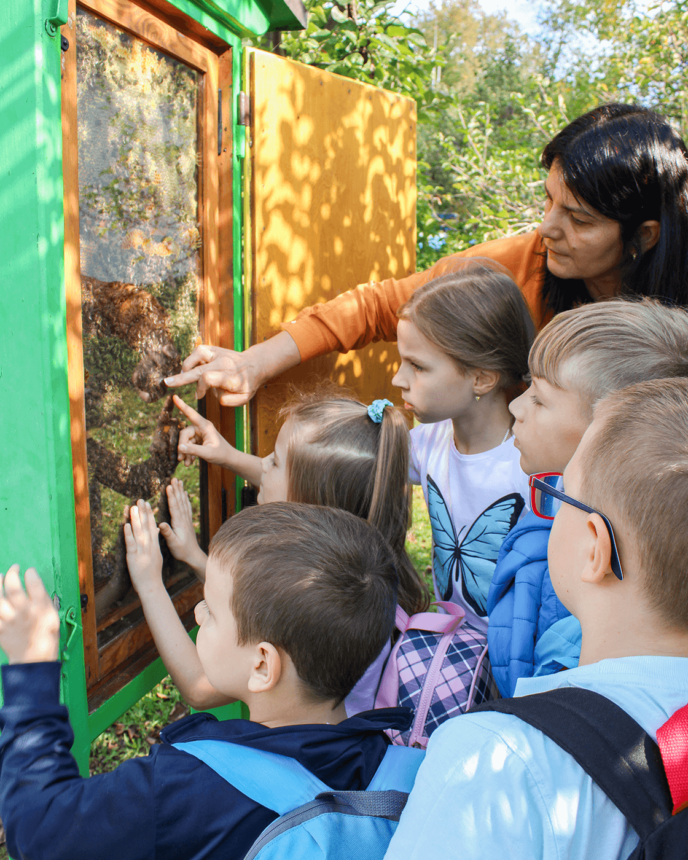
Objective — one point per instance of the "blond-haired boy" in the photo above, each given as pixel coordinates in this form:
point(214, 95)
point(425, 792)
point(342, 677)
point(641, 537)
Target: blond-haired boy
point(495, 786)
point(580, 357)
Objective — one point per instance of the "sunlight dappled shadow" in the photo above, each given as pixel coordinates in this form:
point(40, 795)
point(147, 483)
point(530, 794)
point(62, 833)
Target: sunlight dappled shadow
point(333, 164)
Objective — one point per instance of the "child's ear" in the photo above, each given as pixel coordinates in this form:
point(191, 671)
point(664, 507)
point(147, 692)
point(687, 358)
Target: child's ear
point(485, 381)
point(599, 561)
point(267, 668)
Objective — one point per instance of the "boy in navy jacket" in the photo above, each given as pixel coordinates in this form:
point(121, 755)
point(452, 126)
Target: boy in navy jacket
point(299, 600)
point(577, 359)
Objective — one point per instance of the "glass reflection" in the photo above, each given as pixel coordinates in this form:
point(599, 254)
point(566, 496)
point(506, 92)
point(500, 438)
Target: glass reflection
point(140, 243)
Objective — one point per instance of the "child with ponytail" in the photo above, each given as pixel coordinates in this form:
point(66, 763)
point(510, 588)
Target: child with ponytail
point(332, 451)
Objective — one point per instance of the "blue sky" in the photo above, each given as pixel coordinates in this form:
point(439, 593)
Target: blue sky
point(523, 11)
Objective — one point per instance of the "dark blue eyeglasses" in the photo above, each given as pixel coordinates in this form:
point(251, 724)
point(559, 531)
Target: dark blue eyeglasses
point(546, 499)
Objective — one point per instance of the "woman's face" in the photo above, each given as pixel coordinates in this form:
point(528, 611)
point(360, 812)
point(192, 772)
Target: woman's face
point(581, 243)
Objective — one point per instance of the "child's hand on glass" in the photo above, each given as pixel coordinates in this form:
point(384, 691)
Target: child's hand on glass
point(144, 558)
point(201, 439)
point(181, 534)
point(29, 623)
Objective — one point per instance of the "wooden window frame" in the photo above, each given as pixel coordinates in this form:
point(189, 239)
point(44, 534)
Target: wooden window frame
point(111, 667)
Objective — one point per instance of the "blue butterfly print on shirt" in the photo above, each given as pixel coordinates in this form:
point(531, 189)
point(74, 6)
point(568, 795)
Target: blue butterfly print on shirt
point(472, 561)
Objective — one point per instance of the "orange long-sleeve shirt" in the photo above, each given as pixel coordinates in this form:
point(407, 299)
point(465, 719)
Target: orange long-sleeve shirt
point(368, 312)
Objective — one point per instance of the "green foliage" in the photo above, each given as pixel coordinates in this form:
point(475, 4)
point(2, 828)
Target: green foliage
point(364, 41)
point(490, 96)
point(644, 49)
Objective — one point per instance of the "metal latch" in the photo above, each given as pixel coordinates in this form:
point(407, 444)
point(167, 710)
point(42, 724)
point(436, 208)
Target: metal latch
point(244, 109)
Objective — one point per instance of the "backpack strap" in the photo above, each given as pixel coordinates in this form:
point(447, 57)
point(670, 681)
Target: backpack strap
point(397, 770)
point(607, 743)
point(281, 783)
point(672, 739)
point(443, 623)
point(275, 781)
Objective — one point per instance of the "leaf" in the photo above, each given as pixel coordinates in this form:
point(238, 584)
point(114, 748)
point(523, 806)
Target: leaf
point(338, 15)
point(397, 30)
point(178, 711)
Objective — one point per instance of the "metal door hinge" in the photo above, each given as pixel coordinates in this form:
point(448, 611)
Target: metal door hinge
point(58, 18)
point(244, 109)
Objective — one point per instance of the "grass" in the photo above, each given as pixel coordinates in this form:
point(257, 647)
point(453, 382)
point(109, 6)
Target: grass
point(419, 537)
point(139, 728)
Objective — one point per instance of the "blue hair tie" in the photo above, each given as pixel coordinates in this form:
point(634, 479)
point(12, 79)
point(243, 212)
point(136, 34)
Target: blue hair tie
point(376, 408)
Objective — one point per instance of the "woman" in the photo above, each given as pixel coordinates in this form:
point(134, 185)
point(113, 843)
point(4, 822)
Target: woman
point(616, 223)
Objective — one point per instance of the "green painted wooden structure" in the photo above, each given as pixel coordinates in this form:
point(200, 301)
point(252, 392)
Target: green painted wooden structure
point(37, 521)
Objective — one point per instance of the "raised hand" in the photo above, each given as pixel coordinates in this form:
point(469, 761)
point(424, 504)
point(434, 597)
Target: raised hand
point(181, 534)
point(29, 623)
point(236, 375)
point(144, 558)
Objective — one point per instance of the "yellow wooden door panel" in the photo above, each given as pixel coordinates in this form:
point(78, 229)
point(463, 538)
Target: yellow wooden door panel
point(332, 205)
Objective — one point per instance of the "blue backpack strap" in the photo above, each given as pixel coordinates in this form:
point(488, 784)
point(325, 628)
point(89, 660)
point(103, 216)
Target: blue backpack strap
point(275, 781)
point(397, 770)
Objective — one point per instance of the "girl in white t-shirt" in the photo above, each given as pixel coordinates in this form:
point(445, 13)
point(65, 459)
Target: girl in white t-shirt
point(331, 450)
point(464, 340)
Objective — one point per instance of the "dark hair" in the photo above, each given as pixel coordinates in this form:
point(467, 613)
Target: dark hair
point(635, 470)
point(319, 583)
point(629, 164)
point(341, 458)
point(478, 317)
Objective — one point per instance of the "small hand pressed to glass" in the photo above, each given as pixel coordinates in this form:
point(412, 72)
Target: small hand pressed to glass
point(546, 499)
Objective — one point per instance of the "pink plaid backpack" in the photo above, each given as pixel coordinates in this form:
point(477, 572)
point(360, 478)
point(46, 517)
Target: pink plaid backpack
point(439, 667)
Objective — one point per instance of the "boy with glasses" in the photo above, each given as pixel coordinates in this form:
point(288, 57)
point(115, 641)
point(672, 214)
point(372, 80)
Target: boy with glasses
point(579, 358)
point(492, 783)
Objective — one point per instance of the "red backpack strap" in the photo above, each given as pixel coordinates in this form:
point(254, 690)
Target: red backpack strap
point(672, 739)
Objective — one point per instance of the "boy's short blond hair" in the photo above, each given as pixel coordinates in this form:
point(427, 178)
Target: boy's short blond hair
point(635, 470)
point(599, 348)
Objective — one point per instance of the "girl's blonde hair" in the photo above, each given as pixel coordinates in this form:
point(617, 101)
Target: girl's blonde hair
point(342, 459)
point(478, 317)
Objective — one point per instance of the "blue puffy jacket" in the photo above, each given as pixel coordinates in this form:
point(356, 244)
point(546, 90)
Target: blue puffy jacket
point(522, 606)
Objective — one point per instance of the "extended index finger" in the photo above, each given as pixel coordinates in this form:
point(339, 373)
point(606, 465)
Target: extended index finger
point(189, 412)
point(185, 378)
